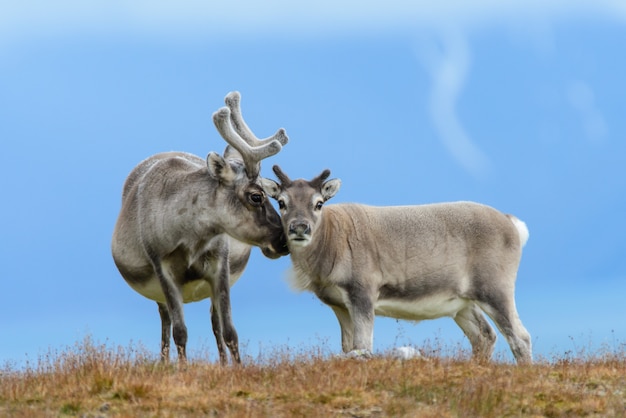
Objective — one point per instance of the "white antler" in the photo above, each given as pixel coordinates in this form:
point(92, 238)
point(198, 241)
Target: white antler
point(233, 101)
point(252, 154)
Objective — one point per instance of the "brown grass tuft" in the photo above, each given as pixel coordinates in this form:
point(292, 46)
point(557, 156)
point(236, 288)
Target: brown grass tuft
point(93, 380)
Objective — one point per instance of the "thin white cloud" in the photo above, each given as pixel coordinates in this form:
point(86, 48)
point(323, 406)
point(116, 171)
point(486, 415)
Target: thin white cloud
point(582, 99)
point(448, 64)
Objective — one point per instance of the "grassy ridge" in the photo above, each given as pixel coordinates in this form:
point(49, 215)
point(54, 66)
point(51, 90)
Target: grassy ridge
point(91, 380)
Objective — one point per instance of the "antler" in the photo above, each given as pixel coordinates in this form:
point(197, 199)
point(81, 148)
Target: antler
point(284, 178)
point(317, 181)
point(285, 181)
point(252, 149)
point(233, 101)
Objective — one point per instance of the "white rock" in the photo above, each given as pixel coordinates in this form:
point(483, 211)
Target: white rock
point(405, 353)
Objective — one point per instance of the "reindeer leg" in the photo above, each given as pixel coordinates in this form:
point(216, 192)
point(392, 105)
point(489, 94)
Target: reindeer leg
point(221, 316)
point(174, 302)
point(166, 332)
point(478, 331)
point(500, 306)
point(361, 310)
point(347, 327)
point(216, 323)
point(228, 329)
point(223, 329)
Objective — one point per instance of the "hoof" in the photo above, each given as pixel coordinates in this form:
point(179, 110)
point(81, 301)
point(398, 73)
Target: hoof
point(360, 354)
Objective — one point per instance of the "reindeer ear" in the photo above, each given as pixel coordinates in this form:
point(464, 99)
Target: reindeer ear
point(231, 153)
point(220, 168)
point(270, 187)
point(330, 188)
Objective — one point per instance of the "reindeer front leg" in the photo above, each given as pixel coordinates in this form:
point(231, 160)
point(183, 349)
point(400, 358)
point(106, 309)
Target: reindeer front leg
point(221, 318)
point(360, 306)
point(347, 327)
point(221, 315)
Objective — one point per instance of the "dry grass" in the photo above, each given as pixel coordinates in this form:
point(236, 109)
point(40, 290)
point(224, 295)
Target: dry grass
point(93, 380)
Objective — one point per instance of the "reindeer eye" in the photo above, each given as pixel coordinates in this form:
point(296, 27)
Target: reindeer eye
point(281, 204)
point(319, 205)
point(255, 198)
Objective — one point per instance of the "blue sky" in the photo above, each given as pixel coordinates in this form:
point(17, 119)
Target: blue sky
point(519, 105)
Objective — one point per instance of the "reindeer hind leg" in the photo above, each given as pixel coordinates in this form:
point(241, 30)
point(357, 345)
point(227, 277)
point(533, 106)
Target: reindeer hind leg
point(478, 331)
point(166, 332)
point(500, 307)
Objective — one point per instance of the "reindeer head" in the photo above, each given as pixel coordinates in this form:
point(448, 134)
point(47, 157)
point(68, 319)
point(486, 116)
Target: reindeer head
point(253, 217)
point(300, 203)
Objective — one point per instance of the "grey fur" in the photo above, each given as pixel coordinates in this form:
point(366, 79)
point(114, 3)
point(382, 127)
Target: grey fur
point(186, 227)
point(408, 262)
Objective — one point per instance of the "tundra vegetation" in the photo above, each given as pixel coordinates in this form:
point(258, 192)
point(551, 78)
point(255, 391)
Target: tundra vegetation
point(94, 379)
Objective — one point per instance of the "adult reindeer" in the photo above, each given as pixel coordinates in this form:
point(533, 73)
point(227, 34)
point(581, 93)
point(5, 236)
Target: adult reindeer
point(186, 227)
point(407, 262)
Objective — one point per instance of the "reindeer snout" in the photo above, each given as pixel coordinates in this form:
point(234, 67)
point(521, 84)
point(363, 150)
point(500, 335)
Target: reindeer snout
point(299, 228)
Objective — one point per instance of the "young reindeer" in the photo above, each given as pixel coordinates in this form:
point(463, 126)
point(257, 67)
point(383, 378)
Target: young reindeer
point(186, 227)
point(407, 262)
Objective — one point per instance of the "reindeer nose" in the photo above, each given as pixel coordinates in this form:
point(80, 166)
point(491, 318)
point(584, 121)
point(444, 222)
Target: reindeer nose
point(299, 228)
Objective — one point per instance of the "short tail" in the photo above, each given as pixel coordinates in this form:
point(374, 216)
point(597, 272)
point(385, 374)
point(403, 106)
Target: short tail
point(522, 229)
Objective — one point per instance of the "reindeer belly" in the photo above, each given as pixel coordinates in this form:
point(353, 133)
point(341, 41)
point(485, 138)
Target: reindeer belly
point(429, 307)
point(192, 291)
point(196, 290)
